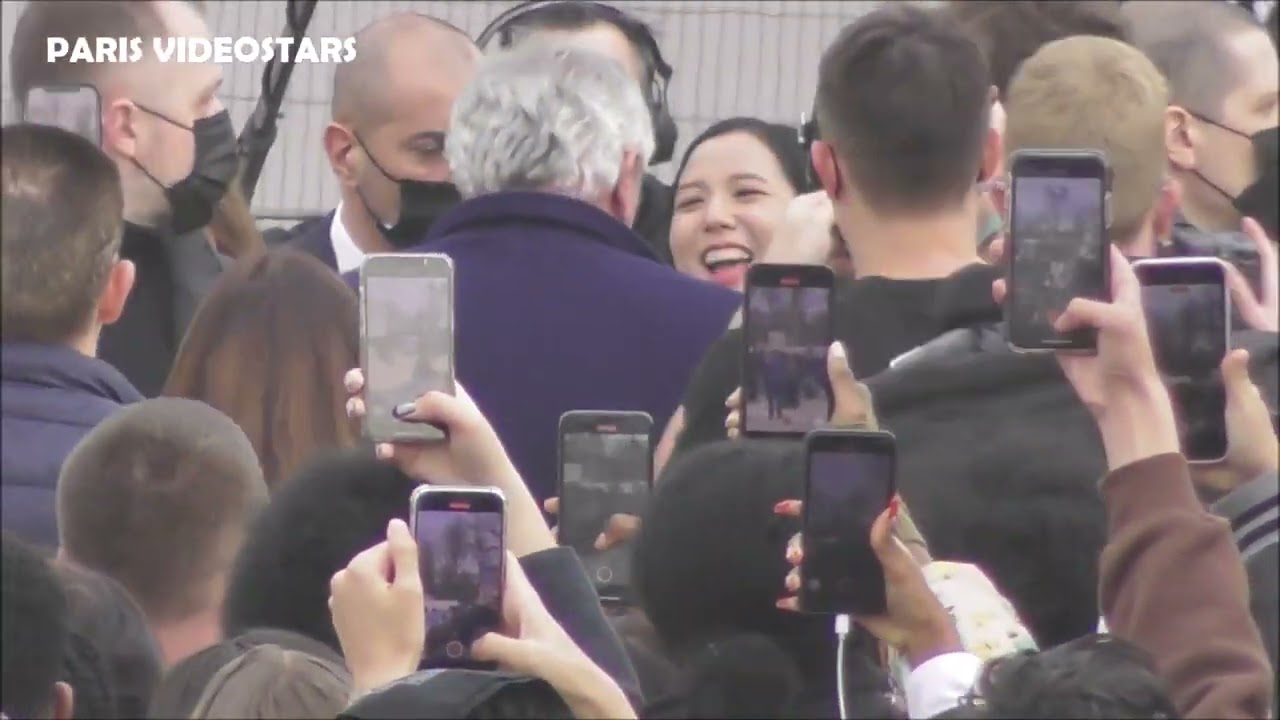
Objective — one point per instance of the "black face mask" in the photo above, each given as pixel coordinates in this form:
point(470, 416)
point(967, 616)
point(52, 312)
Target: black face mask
point(422, 202)
point(1258, 201)
point(217, 160)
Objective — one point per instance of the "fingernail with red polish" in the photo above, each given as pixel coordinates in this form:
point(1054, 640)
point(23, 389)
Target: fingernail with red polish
point(893, 507)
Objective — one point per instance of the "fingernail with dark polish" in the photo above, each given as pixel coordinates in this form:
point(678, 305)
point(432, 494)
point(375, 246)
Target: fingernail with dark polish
point(402, 410)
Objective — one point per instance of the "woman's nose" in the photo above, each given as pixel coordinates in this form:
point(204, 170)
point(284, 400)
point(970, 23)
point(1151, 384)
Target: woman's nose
point(718, 215)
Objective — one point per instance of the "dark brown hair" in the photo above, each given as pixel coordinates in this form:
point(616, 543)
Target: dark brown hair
point(904, 99)
point(62, 222)
point(159, 496)
point(269, 347)
point(1010, 31)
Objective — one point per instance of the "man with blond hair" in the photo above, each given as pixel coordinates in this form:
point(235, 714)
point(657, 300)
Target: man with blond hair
point(1095, 93)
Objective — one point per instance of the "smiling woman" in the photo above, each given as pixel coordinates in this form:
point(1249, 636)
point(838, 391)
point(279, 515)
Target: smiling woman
point(732, 187)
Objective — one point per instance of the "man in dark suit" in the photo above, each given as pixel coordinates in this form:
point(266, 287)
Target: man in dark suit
point(385, 141)
point(559, 304)
point(175, 148)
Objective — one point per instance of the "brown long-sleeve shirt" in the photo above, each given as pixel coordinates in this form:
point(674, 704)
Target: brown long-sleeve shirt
point(1172, 582)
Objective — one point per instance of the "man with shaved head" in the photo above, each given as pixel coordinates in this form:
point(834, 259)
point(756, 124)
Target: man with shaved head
point(175, 148)
point(385, 139)
point(1220, 129)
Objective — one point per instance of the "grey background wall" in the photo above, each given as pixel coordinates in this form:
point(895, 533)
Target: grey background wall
point(731, 57)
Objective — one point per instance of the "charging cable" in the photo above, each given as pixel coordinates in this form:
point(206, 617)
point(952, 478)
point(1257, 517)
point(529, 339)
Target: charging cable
point(842, 637)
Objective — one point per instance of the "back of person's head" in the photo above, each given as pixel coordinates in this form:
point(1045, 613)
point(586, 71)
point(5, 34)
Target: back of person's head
point(552, 119)
point(1189, 43)
point(270, 329)
point(904, 102)
point(112, 643)
point(159, 497)
point(34, 627)
point(60, 231)
point(710, 588)
point(1098, 676)
point(531, 701)
point(183, 684)
point(1010, 31)
point(269, 682)
point(335, 507)
point(462, 693)
point(1094, 93)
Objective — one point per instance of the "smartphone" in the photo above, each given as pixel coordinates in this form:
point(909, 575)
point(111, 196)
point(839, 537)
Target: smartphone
point(786, 330)
point(75, 108)
point(1188, 309)
point(1057, 246)
point(460, 533)
point(406, 340)
point(849, 481)
point(606, 469)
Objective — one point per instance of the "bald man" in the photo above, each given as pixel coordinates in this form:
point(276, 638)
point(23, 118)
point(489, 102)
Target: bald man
point(385, 139)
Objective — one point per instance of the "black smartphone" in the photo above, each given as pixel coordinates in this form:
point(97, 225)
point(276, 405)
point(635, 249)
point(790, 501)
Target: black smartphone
point(75, 108)
point(606, 469)
point(1188, 309)
point(460, 533)
point(849, 481)
point(1057, 246)
point(406, 340)
point(786, 330)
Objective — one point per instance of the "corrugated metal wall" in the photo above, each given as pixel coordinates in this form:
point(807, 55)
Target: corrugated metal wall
point(731, 57)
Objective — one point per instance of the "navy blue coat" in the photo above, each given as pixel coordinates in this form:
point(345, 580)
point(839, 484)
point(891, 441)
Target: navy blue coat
point(50, 398)
point(561, 307)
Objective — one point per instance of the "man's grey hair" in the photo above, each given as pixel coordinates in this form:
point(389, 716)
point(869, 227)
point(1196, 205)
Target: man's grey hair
point(550, 119)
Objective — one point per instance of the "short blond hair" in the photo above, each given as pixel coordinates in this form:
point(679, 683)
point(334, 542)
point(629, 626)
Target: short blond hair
point(1094, 93)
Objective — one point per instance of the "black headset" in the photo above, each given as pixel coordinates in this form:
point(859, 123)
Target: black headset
point(659, 73)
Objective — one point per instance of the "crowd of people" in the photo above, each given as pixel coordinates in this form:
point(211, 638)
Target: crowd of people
point(194, 526)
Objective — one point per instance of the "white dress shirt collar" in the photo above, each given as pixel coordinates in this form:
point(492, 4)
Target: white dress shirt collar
point(346, 253)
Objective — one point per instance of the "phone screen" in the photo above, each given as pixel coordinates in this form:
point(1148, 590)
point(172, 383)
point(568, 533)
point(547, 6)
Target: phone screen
point(74, 108)
point(409, 343)
point(604, 474)
point(1187, 323)
point(460, 555)
point(847, 489)
point(785, 385)
point(1059, 253)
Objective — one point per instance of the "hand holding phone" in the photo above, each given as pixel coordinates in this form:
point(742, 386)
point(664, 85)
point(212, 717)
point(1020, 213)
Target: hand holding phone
point(472, 454)
point(460, 534)
point(1056, 247)
point(376, 603)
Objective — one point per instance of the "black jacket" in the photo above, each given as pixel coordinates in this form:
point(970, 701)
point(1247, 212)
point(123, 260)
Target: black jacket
point(173, 276)
point(310, 236)
point(653, 218)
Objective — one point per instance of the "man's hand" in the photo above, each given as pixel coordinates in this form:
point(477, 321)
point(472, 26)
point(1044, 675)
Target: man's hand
point(804, 234)
point(619, 529)
point(1120, 384)
point(376, 603)
point(1252, 446)
point(1258, 311)
point(472, 454)
point(533, 643)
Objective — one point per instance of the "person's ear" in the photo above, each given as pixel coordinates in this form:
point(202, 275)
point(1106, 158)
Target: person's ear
point(340, 147)
point(827, 168)
point(63, 701)
point(625, 199)
point(992, 155)
point(116, 292)
point(119, 134)
point(1179, 138)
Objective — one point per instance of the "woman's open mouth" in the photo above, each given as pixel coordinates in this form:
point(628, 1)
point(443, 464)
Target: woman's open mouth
point(727, 264)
